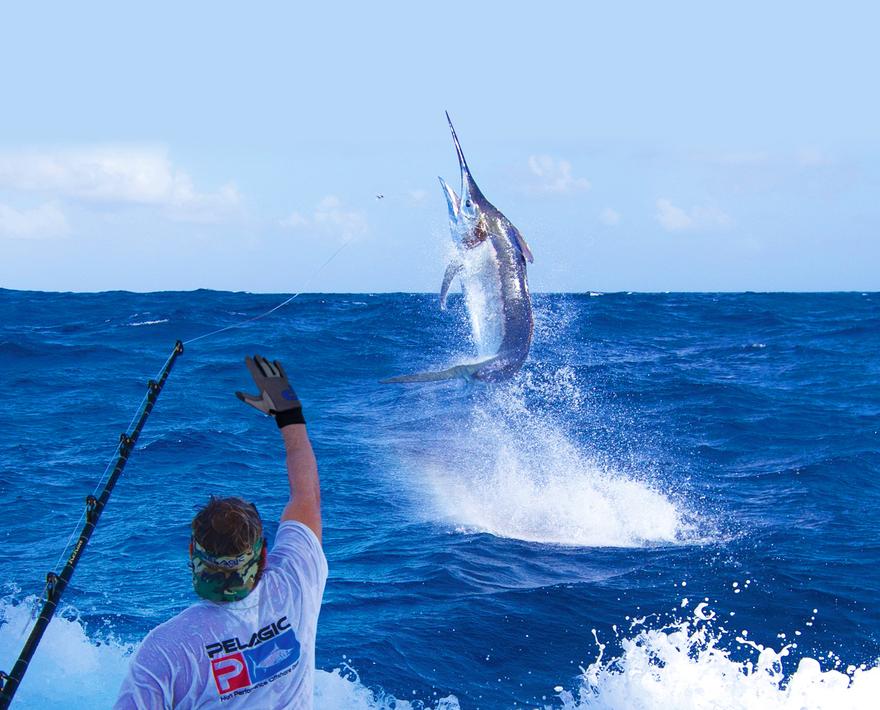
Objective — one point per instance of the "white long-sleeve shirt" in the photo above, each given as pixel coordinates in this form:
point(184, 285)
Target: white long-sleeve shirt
point(258, 652)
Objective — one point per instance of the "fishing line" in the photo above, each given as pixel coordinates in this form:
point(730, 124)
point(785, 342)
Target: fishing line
point(243, 323)
point(95, 503)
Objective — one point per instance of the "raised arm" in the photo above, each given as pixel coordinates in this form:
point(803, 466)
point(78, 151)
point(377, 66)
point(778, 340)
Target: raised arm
point(278, 399)
point(302, 472)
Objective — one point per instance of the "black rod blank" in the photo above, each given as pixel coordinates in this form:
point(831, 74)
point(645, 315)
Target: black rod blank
point(56, 584)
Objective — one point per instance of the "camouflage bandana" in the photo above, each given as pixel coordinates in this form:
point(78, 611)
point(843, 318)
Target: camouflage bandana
point(225, 579)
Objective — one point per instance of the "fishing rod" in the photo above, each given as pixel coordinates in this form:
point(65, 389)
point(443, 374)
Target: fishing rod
point(57, 583)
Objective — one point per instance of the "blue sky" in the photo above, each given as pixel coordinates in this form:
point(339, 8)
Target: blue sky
point(637, 146)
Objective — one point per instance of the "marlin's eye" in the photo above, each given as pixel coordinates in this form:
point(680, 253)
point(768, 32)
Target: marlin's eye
point(468, 203)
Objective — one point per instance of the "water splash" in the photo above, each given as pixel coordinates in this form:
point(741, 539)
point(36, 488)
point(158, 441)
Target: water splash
point(510, 466)
point(342, 689)
point(684, 666)
point(481, 297)
point(514, 471)
point(86, 669)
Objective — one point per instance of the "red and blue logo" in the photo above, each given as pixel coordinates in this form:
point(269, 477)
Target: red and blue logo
point(256, 665)
point(230, 673)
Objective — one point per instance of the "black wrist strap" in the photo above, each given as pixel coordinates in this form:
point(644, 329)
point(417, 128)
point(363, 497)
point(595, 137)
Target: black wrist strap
point(290, 416)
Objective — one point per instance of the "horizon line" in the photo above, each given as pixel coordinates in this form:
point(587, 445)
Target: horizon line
point(591, 292)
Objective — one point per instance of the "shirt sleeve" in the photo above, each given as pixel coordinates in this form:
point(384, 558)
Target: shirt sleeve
point(298, 554)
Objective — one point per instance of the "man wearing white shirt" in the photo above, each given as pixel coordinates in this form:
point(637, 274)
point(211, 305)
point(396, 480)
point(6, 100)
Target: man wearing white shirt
point(250, 641)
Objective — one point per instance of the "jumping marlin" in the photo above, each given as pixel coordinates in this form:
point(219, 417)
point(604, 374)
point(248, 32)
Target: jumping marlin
point(490, 259)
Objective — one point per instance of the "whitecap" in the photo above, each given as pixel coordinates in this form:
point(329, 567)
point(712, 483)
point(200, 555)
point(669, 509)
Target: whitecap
point(147, 322)
point(87, 669)
point(684, 666)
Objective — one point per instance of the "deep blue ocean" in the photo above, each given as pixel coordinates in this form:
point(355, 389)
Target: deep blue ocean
point(674, 504)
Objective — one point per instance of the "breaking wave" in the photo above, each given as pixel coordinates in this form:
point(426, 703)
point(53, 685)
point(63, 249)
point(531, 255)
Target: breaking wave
point(147, 322)
point(682, 666)
point(86, 668)
point(686, 666)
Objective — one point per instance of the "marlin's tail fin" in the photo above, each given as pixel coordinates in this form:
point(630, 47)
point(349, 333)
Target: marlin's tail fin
point(464, 371)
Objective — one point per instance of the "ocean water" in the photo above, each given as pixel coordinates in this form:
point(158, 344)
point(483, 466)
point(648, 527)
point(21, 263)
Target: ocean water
point(674, 504)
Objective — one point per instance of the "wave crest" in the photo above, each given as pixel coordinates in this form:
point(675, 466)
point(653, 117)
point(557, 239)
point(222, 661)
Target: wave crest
point(683, 666)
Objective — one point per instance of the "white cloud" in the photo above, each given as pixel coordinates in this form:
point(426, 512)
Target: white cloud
point(330, 217)
point(418, 195)
point(671, 217)
point(117, 174)
point(294, 221)
point(609, 217)
point(555, 175)
point(43, 222)
point(676, 219)
point(806, 156)
point(741, 158)
point(812, 158)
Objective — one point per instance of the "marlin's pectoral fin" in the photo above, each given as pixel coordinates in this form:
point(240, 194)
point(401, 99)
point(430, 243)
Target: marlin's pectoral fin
point(451, 271)
point(520, 242)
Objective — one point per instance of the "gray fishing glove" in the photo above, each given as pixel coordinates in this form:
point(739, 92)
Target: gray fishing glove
point(276, 397)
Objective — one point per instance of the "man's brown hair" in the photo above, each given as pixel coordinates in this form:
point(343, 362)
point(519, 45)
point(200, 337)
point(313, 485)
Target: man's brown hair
point(227, 526)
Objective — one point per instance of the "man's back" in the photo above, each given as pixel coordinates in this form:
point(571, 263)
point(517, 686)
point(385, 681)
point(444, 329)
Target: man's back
point(258, 652)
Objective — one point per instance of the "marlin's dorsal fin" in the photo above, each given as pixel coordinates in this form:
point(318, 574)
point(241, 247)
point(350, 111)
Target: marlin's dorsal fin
point(453, 201)
point(451, 272)
point(520, 242)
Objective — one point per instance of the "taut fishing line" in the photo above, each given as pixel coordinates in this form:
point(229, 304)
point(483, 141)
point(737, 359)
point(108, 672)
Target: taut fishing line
point(245, 322)
point(97, 500)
